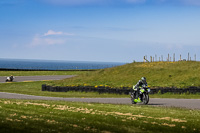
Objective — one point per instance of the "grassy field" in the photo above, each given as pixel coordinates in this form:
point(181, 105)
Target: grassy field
point(158, 74)
point(58, 116)
point(39, 73)
point(34, 88)
point(50, 116)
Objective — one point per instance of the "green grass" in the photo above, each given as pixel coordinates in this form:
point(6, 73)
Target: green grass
point(158, 74)
point(39, 73)
point(50, 116)
point(34, 88)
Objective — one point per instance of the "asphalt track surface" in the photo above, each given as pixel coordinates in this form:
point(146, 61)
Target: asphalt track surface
point(164, 102)
point(36, 78)
point(181, 103)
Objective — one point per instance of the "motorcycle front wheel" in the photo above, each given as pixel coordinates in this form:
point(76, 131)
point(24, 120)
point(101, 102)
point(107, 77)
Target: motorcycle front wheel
point(145, 98)
point(132, 98)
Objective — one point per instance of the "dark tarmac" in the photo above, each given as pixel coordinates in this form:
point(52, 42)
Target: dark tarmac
point(164, 102)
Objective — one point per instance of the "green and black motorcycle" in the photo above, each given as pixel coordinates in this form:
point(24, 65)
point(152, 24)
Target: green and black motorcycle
point(143, 95)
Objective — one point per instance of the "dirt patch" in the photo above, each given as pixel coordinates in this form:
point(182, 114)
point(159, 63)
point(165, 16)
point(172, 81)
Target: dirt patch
point(170, 125)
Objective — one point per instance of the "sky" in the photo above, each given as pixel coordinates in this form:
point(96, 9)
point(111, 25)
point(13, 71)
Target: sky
point(99, 30)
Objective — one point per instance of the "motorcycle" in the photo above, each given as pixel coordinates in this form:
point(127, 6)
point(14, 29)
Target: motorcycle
point(10, 79)
point(143, 95)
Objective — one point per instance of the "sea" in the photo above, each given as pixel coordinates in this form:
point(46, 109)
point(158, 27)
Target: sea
point(29, 64)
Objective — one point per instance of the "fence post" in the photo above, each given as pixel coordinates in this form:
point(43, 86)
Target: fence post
point(168, 58)
point(174, 58)
point(156, 58)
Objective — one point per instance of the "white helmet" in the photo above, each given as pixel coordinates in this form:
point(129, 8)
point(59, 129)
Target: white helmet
point(143, 80)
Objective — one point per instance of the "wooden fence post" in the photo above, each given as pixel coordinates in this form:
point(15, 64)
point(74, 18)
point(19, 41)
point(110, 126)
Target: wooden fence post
point(168, 58)
point(174, 57)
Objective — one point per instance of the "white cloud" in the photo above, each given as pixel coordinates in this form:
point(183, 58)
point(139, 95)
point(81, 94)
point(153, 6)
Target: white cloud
point(40, 40)
point(51, 32)
point(50, 38)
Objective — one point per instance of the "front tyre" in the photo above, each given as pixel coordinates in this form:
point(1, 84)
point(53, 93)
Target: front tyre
point(145, 98)
point(132, 98)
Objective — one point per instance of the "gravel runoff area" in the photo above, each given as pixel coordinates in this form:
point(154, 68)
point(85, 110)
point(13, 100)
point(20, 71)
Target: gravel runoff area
point(36, 78)
point(180, 103)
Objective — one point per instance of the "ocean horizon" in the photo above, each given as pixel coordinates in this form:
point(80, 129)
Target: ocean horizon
point(37, 64)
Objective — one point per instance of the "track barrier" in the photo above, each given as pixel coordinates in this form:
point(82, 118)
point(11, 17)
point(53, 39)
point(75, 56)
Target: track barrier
point(123, 90)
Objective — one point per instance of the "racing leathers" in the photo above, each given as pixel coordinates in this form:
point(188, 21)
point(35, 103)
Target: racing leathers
point(138, 86)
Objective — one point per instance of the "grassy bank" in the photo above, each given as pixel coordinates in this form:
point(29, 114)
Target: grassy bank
point(41, 73)
point(50, 116)
point(158, 74)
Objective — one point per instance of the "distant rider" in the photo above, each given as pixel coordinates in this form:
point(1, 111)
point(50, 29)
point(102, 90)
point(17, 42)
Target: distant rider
point(141, 83)
point(11, 78)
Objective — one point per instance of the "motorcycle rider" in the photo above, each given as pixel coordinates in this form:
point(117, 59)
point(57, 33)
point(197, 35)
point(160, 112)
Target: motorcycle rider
point(139, 85)
point(11, 78)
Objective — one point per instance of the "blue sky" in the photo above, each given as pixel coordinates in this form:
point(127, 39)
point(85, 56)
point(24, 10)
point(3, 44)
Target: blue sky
point(99, 30)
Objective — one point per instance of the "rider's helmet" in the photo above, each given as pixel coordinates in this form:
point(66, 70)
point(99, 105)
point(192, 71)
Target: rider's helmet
point(143, 80)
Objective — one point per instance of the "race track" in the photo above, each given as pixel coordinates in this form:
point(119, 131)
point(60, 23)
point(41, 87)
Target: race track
point(182, 103)
point(36, 78)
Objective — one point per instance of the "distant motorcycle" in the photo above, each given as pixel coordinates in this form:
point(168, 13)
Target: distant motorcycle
point(143, 96)
point(10, 79)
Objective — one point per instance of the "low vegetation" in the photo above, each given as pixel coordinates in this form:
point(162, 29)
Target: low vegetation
point(39, 73)
point(50, 116)
point(34, 88)
point(158, 74)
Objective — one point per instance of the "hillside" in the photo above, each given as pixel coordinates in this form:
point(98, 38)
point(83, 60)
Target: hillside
point(158, 74)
